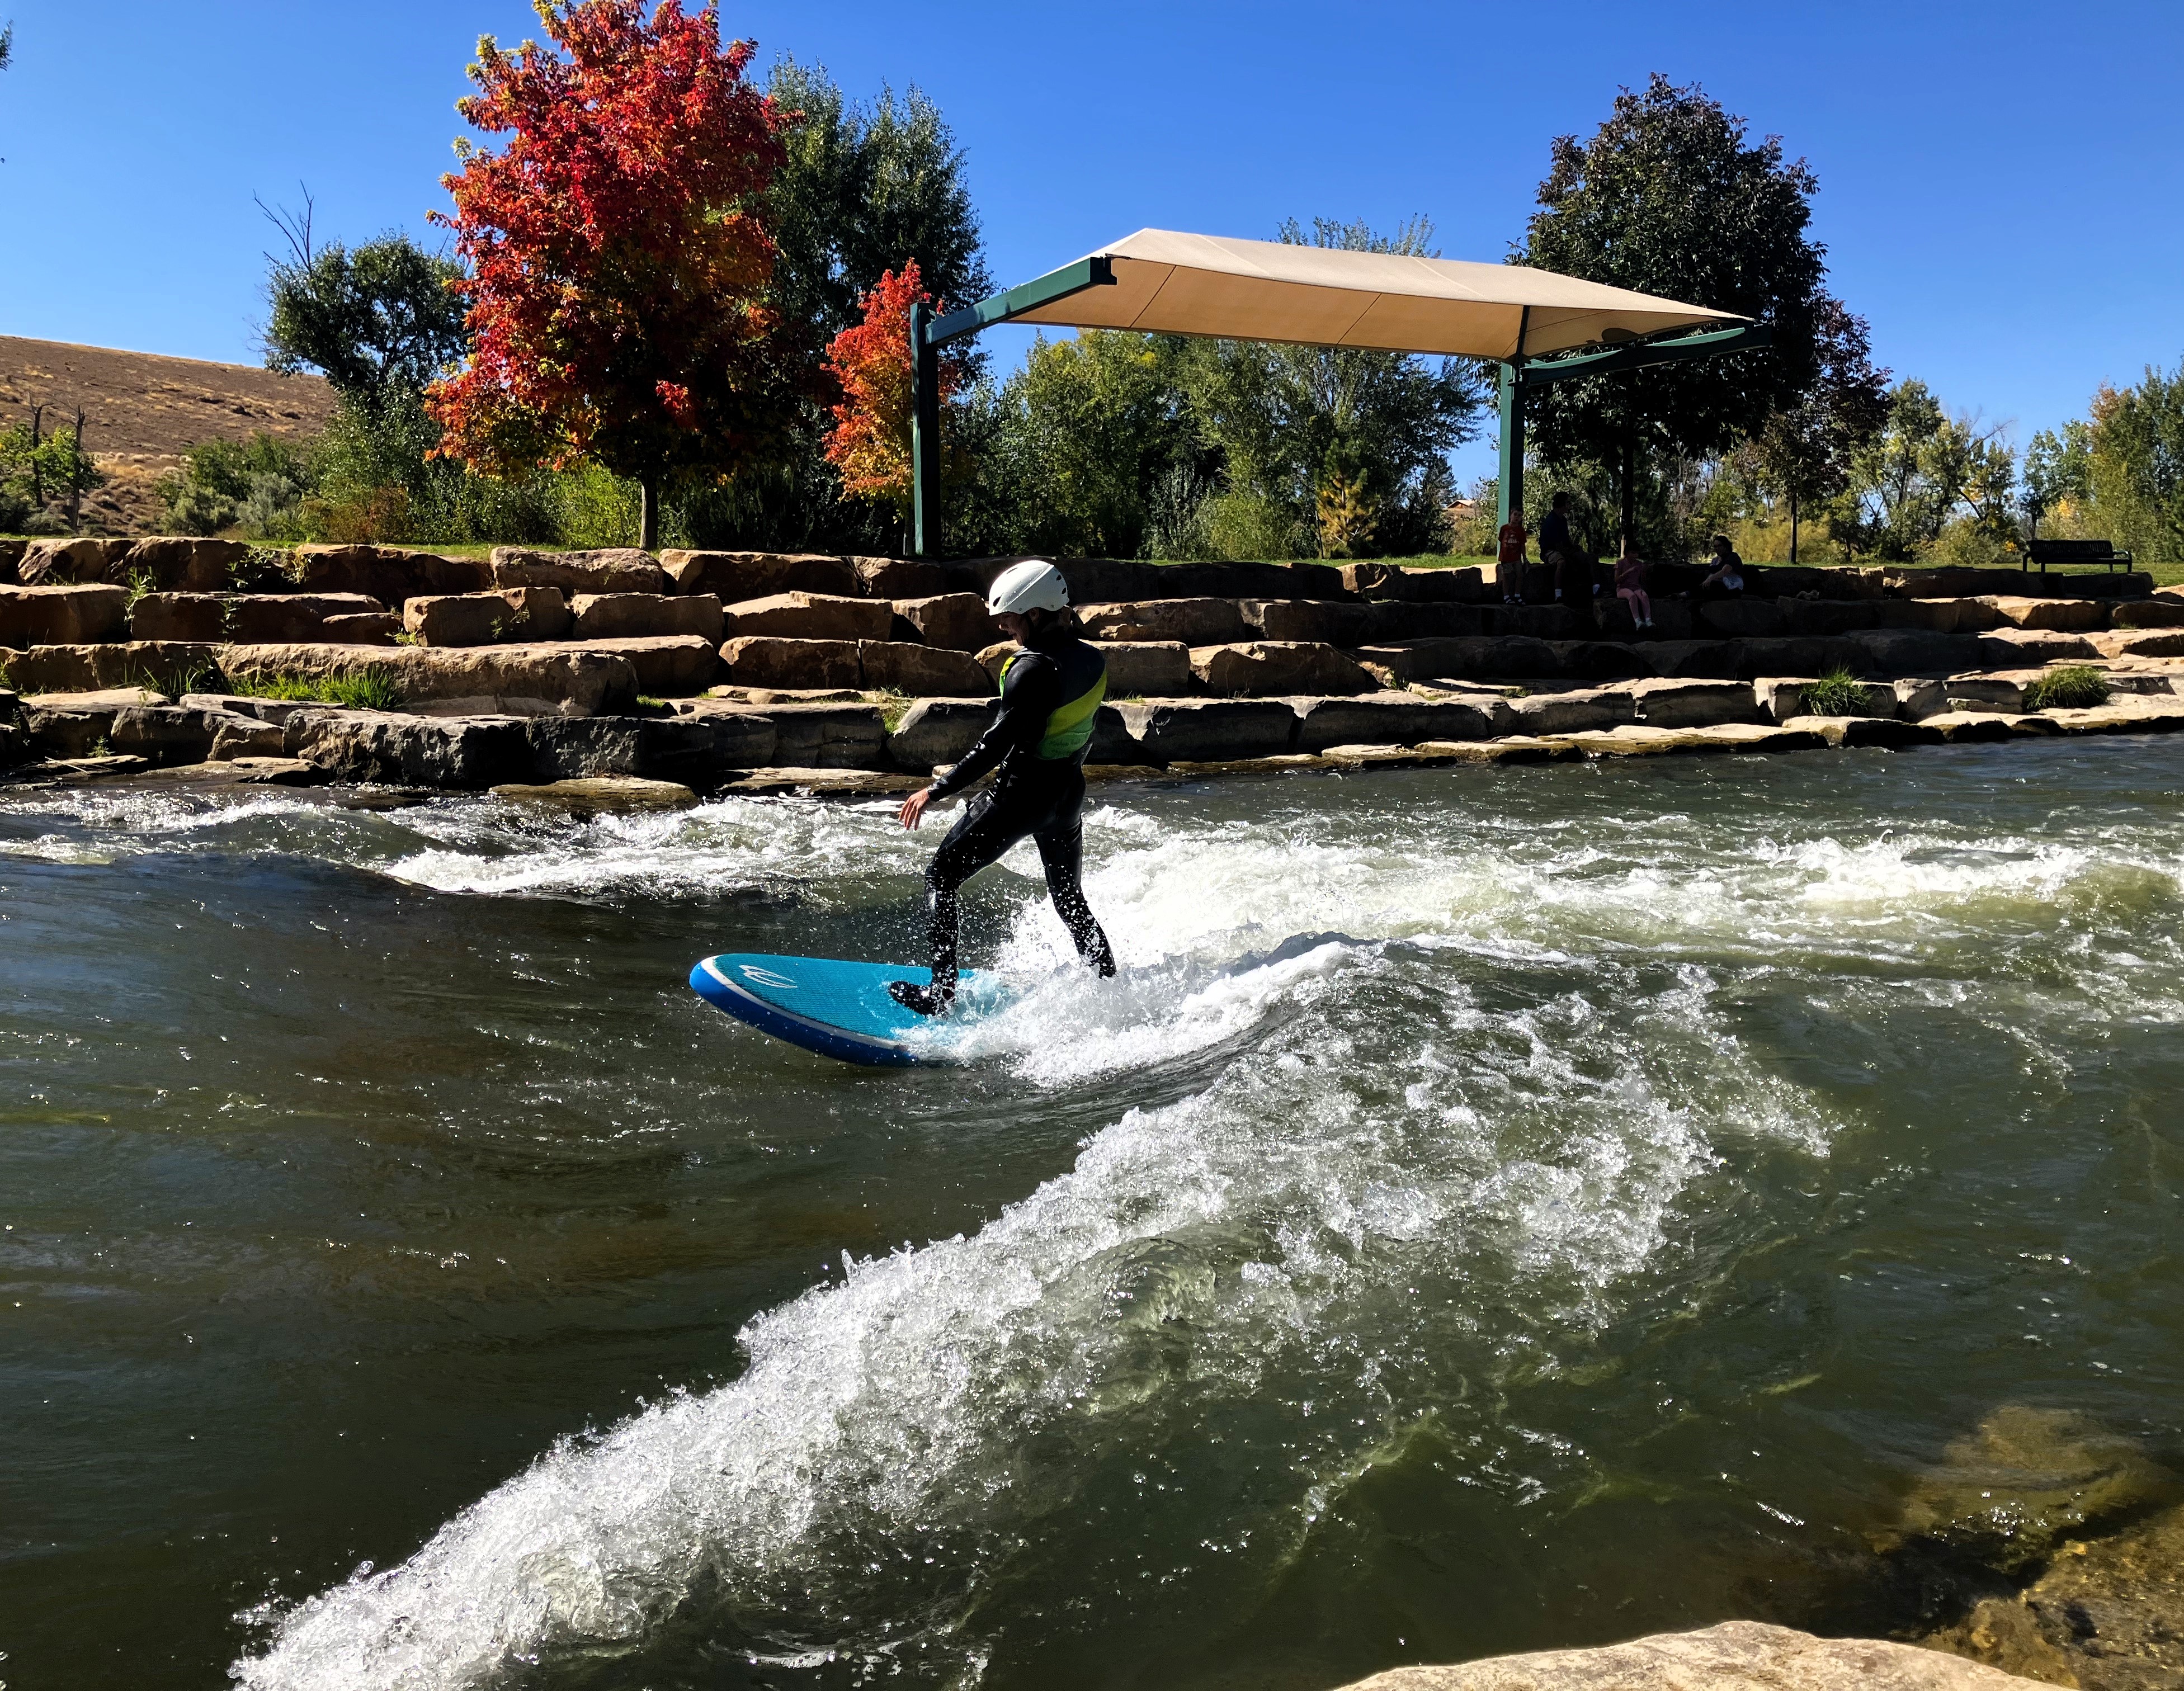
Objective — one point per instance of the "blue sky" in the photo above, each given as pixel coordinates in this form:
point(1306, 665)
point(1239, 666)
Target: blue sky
point(1999, 182)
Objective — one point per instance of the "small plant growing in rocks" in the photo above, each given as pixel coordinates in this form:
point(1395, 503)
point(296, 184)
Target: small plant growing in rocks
point(370, 691)
point(2074, 687)
point(1836, 693)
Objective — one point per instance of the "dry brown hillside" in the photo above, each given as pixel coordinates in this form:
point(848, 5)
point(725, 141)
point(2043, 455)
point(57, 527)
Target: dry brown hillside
point(142, 409)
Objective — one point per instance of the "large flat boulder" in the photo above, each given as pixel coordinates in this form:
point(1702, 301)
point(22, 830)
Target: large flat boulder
point(906, 578)
point(959, 621)
point(801, 616)
point(1209, 730)
point(1920, 696)
point(479, 681)
point(2136, 642)
point(183, 564)
point(612, 570)
point(250, 619)
point(675, 749)
point(365, 628)
point(2010, 647)
point(1735, 1656)
point(921, 671)
point(1194, 621)
point(1573, 712)
point(829, 735)
point(1779, 698)
point(1599, 661)
point(765, 660)
point(733, 576)
point(1262, 669)
point(1827, 616)
point(77, 562)
point(1877, 651)
point(627, 616)
point(2157, 610)
point(935, 732)
point(666, 665)
point(1395, 719)
point(1693, 703)
point(392, 574)
point(2057, 615)
point(1461, 657)
point(389, 747)
point(166, 663)
point(1413, 586)
point(1543, 621)
point(1936, 616)
point(1326, 622)
point(1741, 619)
point(1142, 668)
point(513, 614)
point(62, 615)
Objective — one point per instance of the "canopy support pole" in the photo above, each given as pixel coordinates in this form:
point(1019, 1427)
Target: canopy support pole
point(928, 334)
point(1510, 482)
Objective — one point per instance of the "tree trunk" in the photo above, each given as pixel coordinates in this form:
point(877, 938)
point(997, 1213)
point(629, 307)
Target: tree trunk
point(1629, 493)
point(647, 518)
point(1793, 527)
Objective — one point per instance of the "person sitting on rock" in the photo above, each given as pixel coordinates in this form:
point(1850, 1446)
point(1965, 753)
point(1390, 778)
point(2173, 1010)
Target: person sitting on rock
point(1559, 548)
point(1727, 580)
point(1051, 696)
point(1630, 587)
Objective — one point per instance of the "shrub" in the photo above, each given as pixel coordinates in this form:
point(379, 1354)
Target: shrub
point(2074, 687)
point(1837, 694)
point(371, 690)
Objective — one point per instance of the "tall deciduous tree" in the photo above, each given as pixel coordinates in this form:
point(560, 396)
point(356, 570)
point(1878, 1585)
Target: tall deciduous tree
point(1804, 453)
point(2135, 463)
point(870, 443)
point(619, 263)
point(1669, 197)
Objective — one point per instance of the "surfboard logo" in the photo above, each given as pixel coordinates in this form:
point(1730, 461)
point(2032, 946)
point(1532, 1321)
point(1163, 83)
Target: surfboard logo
point(766, 977)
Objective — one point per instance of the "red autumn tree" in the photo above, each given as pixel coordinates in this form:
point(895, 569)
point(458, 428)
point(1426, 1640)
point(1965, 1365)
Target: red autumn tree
point(870, 441)
point(618, 266)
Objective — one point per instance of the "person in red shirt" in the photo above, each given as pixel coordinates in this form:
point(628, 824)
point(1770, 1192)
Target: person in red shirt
point(1509, 568)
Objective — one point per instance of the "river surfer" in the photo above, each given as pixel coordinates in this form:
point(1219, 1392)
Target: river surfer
point(1050, 695)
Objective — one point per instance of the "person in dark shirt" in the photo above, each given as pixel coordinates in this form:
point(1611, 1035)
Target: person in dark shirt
point(1558, 546)
point(1727, 579)
point(1051, 696)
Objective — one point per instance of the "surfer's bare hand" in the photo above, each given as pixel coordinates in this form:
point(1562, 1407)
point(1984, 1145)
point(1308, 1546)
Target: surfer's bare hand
point(913, 808)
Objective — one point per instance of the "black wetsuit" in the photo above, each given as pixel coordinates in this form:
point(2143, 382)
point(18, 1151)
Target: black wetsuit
point(1050, 695)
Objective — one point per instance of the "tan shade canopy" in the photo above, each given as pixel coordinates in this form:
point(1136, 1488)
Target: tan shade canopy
point(1176, 283)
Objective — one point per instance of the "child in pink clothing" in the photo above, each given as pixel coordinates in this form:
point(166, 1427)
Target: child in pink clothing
point(1631, 585)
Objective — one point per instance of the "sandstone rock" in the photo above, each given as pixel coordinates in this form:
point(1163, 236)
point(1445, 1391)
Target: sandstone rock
point(2138, 643)
point(743, 738)
point(1827, 616)
point(1959, 728)
point(513, 614)
point(921, 671)
point(1918, 697)
point(513, 680)
point(1467, 657)
point(1396, 719)
point(2162, 610)
point(829, 735)
point(826, 783)
point(2068, 616)
point(413, 751)
point(1541, 622)
point(185, 565)
point(237, 735)
point(904, 578)
point(1673, 704)
point(587, 795)
point(64, 730)
point(935, 732)
point(666, 665)
point(166, 663)
point(613, 569)
point(1176, 729)
point(2006, 647)
point(765, 660)
point(1561, 713)
point(1408, 585)
point(1782, 697)
point(1195, 622)
point(1936, 616)
point(366, 628)
point(734, 576)
point(59, 616)
point(1735, 1656)
point(274, 710)
point(11, 556)
point(2127, 714)
point(1745, 618)
point(1694, 659)
point(672, 748)
point(170, 734)
point(810, 616)
point(622, 616)
point(957, 622)
point(1139, 668)
point(1324, 623)
point(1888, 731)
point(1261, 669)
point(1598, 660)
point(246, 619)
point(1900, 652)
point(72, 563)
point(392, 574)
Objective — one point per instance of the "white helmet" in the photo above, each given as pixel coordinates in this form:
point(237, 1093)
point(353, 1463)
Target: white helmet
point(1032, 584)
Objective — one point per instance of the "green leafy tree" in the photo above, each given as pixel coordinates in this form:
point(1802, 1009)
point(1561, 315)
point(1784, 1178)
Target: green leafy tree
point(1803, 454)
point(1924, 471)
point(2058, 478)
point(2134, 464)
point(1669, 197)
point(258, 484)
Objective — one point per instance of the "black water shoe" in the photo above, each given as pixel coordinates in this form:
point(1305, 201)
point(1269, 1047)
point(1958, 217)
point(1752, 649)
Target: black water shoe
point(922, 999)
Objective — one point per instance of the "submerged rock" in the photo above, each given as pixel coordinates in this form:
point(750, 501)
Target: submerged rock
point(593, 795)
point(1736, 1655)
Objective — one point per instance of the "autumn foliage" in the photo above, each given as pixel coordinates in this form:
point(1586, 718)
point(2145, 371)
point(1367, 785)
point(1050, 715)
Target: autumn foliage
point(618, 265)
point(870, 441)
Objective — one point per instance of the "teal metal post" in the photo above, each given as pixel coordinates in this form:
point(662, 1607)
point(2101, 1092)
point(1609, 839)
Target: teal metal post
point(1512, 498)
point(924, 434)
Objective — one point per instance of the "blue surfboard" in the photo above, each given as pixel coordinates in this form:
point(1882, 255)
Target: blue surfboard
point(841, 1009)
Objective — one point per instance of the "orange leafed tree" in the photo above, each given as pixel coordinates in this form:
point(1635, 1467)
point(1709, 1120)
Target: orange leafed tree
point(618, 262)
point(870, 441)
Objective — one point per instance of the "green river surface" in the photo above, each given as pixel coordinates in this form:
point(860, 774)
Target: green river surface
point(1495, 1209)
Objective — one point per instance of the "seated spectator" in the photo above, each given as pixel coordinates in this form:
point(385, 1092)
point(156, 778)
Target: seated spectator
point(1630, 587)
point(1558, 548)
point(1727, 579)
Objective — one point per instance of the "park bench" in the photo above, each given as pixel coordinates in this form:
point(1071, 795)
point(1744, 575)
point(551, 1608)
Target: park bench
point(2081, 551)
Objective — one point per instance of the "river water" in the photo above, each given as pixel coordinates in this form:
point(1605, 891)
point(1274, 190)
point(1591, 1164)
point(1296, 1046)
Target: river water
point(1495, 1209)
